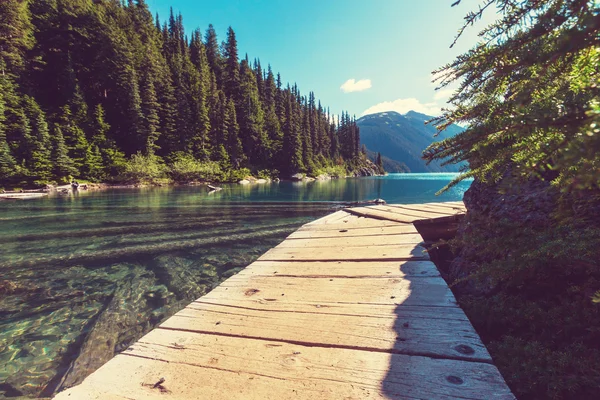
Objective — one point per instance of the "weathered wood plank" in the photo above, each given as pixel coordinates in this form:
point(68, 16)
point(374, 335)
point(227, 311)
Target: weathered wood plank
point(413, 239)
point(350, 253)
point(412, 331)
point(336, 216)
point(409, 213)
point(356, 309)
point(358, 224)
point(347, 269)
point(451, 205)
point(214, 367)
point(382, 215)
point(356, 232)
point(320, 291)
point(432, 210)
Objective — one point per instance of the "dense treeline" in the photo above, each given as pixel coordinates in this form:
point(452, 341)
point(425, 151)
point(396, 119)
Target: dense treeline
point(99, 89)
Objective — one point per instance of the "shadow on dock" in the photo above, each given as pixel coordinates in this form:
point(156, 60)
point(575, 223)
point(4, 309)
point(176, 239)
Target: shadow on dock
point(437, 353)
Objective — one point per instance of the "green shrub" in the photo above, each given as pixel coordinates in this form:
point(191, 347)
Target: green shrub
point(186, 168)
point(267, 174)
point(144, 168)
point(236, 175)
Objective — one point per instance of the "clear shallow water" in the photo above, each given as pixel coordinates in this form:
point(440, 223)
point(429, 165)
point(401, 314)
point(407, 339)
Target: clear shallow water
point(81, 277)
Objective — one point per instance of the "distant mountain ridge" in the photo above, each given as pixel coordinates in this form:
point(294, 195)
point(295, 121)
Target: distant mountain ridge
point(402, 138)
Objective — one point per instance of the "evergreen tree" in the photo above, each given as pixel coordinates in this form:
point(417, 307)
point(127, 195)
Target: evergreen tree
point(234, 143)
point(251, 118)
point(231, 74)
point(39, 162)
point(292, 145)
point(213, 55)
point(16, 35)
point(73, 136)
point(380, 163)
point(307, 147)
point(529, 96)
point(200, 92)
point(93, 167)
point(63, 167)
point(113, 159)
point(149, 133)
point(7, 162)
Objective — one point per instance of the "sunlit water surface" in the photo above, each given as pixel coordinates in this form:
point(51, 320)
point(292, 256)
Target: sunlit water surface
point(83, 276)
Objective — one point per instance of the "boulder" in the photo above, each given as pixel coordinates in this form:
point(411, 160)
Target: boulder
point(244, 182)
point(261, 181)
point(297, 177)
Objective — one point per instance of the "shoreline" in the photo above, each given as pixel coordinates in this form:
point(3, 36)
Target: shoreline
point(87, 186)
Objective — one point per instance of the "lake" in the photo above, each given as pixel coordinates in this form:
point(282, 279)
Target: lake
point(83, 276)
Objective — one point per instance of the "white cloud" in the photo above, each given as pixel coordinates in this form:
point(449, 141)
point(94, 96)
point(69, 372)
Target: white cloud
point(403, 106)
point(443, 94)
point(352, 85)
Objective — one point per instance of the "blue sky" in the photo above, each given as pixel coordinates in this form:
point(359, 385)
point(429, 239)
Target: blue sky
point(388, 47)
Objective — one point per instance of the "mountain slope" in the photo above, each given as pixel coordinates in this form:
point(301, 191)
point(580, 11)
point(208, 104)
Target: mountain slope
point(389, 165)
point(403, 138)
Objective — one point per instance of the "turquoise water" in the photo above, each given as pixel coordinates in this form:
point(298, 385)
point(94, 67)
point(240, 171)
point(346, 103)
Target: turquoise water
point(83, 276)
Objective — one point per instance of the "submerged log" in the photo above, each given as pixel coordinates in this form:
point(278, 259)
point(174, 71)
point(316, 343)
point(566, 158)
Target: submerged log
point(21, 196)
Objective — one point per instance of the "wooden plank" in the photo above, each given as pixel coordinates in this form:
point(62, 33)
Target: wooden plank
point(349, 253)
point(396, 269)
point(360, 224)
point(214, 367)
point(357, 309)
point(345, 232)
point(336, 216)
point(382, 215)
point(410, 213)
point(321, 291)
point(433, 211)
point(414, 239)
point(452, 206)
point(411, 330)
point(345, 218)
point(434, 207)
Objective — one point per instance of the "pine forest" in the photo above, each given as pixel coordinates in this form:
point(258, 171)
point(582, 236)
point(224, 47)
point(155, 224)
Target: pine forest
point(102, 90)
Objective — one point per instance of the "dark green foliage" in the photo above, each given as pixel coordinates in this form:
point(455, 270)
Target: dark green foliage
point(379, 162)
point(529, 95)
point(538, 322)
point(39, 160)
point(62, 165)
point(115, 83)
point(16, 35)
point(7, 162)
point(231, 131)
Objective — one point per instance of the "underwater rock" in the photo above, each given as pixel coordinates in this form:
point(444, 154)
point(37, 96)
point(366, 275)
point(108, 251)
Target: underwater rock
point(177, 274)
point(117, 325)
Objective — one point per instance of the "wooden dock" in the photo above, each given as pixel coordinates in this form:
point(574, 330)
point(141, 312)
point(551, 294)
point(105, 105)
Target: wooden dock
point(347, 307)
